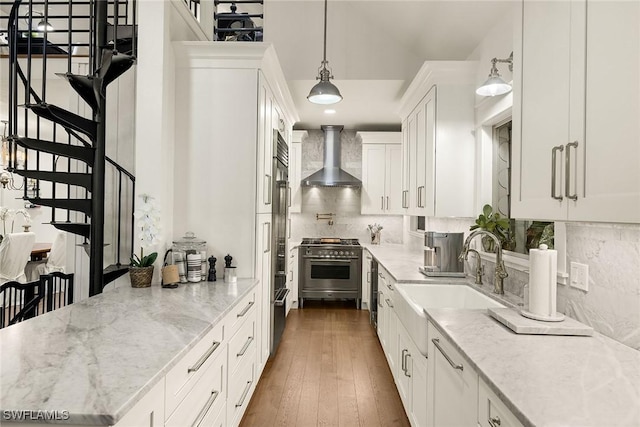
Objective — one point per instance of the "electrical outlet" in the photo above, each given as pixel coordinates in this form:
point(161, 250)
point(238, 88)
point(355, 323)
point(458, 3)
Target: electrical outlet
point(579, 276)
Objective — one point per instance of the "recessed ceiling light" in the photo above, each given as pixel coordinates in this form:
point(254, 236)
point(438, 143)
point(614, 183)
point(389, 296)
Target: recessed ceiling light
point(329, 111)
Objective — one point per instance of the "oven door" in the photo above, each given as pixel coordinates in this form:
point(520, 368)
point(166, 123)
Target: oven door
point(325, 278)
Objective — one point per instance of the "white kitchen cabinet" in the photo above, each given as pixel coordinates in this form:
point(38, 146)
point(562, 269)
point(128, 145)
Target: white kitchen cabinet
point(387, 319)
point(439, 146)
point(366, 279)
point(149, 411)
point(576, 139)
point(292, 280)
point(453, 384)
point(263, 271)
point(295, 171)
point(381, 173)
point(411, 378)
point(492, 412)
point(266, 114)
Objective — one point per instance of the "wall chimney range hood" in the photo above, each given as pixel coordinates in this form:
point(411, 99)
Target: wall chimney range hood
point(331, 175)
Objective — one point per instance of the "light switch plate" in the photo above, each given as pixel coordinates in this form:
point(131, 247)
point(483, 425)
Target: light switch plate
point(579, 276)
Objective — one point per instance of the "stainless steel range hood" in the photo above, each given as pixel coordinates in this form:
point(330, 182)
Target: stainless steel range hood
point(331, 175)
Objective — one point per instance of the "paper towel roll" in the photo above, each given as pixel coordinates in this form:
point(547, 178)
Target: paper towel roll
point(543, 268)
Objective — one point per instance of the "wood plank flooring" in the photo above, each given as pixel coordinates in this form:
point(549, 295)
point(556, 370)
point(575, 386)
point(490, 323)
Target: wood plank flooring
point(328, 371)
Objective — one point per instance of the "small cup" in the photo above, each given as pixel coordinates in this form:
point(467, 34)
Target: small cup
point(230, 275)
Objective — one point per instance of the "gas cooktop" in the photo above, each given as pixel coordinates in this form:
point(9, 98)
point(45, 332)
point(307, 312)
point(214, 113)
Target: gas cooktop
point(329, 241)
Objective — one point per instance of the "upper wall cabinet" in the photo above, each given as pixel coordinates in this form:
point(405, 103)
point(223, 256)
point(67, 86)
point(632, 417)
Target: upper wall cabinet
point(438, 143)
point(381, 173)
point(295, 171)
point(576, 139)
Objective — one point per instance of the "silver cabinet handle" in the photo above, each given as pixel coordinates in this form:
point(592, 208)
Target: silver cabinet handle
point(244, 348)
point(404, 199)
point(267, 189)
point(380, 274)
point(494, 421)
point(436, 341)
point(390, 287)
point(368, 277)
point(389, 302)
point(380, 298)
point(382, 202)
point(204, 357)
point(205, 409)
point(554, 166)
point(404, 366)
point(420, 198)
point(244, 310)
point(387, 202)
point(567, 177)
point(289, 196)
point(266, 237)
point(244, 394)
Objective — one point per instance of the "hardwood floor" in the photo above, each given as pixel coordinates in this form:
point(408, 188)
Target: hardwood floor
point(328, 371)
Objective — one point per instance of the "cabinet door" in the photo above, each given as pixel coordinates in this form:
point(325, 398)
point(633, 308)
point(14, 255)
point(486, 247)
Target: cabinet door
point(265, 146)
point(412, 136)
point(454, 385)
point(391, 333)
point(403, 370)
point(393, 184)
point(263, 271)
point(295, 175)
point(149, 411)
point(419, 395)
point(373, 179)
point(406, 167)
point(292, 298)
point(607, 162)
point(541, 108)
point(366, 279)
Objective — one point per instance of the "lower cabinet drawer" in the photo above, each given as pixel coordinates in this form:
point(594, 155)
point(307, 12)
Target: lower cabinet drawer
point(182, 377)
point(206, 398)
point(242, 344)
point(491, 411)
point(241, 311)
point(241, 385)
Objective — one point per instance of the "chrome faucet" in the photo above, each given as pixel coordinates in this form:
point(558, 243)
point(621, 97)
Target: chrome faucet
point(479, 266)
point(501, 270)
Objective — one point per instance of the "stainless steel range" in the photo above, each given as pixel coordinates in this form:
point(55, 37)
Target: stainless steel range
point(330, 269)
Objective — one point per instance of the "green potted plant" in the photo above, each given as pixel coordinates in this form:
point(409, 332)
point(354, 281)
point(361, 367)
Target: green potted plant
point(495, 223)
point(148, 219)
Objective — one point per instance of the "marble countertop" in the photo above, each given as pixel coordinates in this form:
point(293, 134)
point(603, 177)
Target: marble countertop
point(549, 380)
point(98, 357)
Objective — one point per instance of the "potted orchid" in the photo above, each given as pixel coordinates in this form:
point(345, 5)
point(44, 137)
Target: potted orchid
point(148, 222)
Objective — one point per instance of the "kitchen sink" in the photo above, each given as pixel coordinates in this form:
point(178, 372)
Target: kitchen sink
point(415, 298)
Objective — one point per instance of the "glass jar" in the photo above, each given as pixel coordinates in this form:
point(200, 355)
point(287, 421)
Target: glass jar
point(190, 255)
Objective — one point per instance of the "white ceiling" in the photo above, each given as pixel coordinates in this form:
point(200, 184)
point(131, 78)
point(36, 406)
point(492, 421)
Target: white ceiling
point(374, 49)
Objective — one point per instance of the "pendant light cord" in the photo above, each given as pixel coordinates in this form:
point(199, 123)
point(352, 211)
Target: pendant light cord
point(324, 55)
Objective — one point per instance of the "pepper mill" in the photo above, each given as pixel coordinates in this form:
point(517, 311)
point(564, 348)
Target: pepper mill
point(227, 261)
point(212, 269)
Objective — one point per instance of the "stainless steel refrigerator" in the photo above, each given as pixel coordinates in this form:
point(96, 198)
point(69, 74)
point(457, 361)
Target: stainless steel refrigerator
point(279, 257)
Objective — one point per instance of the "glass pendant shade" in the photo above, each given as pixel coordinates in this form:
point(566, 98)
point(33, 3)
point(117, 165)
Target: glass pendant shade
point(324, 93)
point(43, 25)
point(494, 86)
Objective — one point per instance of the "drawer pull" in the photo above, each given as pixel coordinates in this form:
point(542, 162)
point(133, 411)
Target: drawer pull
point(205, 409)
point(244, 310)
point(406, 365)
point(204, 357)
point(244, 394)
point(244, 348)
point(494, 421)
point(389, 302)
point(390, 287)
point(436, 341)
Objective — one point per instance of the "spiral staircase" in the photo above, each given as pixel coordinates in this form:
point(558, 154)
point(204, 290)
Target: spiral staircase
point(64, 152)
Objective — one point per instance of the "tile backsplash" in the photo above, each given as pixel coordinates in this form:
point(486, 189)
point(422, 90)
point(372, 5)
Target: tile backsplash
point(612, 252)
point(344, 203)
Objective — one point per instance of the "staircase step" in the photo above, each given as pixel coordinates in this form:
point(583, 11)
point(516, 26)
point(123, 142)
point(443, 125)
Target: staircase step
point(79, 205)
point(65, 118)
point(84, 86)
point(114, 271)
point(79, 228)
point(114, 64)
point(71, 178)
point(124, 44)
point(77, 152)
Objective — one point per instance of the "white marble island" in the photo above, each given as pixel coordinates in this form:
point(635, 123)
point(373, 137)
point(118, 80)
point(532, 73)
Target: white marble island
point(98, 357)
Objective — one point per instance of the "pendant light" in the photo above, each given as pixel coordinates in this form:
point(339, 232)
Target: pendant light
point(324, 92)
point(495, 85)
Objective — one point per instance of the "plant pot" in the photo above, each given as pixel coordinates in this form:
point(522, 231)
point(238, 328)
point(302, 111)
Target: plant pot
point(141, 276)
